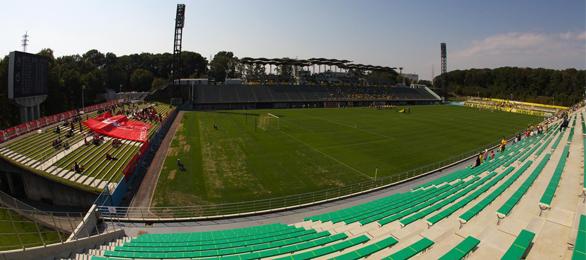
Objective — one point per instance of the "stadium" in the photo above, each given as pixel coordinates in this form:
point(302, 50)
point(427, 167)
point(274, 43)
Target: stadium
point(284, 158)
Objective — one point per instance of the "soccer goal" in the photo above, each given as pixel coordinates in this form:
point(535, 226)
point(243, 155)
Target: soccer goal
point(268, 122)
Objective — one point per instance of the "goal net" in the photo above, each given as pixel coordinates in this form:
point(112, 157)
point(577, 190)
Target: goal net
point(268, 122)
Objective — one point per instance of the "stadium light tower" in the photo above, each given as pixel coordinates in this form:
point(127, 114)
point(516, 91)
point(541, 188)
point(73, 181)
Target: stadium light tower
point(179, 22)
point(24, 41)
point(444, 69)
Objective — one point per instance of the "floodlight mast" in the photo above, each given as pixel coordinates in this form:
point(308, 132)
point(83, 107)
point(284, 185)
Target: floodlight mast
point(179, 22)
point(444, 70)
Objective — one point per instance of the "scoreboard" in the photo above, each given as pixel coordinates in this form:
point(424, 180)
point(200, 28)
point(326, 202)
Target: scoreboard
point(27, 75)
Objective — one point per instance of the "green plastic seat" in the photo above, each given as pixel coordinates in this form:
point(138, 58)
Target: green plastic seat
point(519, 246)
point(411, 250)
point(462, 249)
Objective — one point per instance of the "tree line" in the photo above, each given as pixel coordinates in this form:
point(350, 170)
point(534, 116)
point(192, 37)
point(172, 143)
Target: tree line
point(96, 72)
point(546, 86)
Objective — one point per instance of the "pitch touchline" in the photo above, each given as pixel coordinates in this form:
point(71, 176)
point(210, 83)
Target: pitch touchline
point(327, 155)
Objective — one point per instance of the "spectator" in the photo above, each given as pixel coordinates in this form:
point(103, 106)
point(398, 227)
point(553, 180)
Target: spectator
point(492, 155)
point(109, 157)
point(503, 144)
point(478, 160)
point(77, 168)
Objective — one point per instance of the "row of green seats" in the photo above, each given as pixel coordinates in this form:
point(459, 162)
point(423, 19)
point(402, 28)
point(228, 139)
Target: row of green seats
point(460, 204)
point(191, 246)
point(459, 194)
point(409, 209)
point(519, 247)
point(410, 201)
point(580, 244)
point(549, 193)
point(385, 209)
point(368, 250)
point(210, 235)
point(538, 148)
point(557, 142)
point(255, 252)
point(462, 249)
point(411, 250)
point(506, 208)
point(351, 211)
point(481, 205)
point(329, 249)
point(478, 207)
point(209, 239)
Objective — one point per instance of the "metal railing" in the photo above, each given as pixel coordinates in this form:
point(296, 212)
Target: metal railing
point(22, 225)
point(223, 210)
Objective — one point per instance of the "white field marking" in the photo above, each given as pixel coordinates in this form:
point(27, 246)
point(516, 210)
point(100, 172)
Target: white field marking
point(328, 156)
point(271, 115)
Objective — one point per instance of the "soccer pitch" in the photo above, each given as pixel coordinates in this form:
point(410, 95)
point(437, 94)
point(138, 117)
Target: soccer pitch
point(233, 156)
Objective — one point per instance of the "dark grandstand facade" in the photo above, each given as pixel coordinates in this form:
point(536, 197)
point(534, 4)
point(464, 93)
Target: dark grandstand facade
point(284, 96)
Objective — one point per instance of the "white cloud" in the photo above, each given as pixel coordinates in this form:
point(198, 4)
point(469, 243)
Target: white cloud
point(503, 43)
point(528, 49)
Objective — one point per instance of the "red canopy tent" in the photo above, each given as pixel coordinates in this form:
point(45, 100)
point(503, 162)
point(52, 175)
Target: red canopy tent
point(119, 127)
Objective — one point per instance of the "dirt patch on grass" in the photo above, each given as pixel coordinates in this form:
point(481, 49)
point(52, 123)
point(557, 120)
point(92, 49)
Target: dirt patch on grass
point(181, 139)
point(173, 152)
point(186, 148)
point(171, 175)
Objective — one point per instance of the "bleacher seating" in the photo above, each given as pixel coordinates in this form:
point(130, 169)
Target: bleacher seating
point(36, 153)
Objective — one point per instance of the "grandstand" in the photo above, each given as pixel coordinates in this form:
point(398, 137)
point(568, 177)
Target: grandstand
point(524, 203)
point(37, 152)
point(209, 96)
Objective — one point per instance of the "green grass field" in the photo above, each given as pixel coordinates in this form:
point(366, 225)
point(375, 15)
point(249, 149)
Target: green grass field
point(252, 156)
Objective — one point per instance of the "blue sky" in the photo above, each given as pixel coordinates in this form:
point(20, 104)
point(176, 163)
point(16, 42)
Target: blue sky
point(478, 34)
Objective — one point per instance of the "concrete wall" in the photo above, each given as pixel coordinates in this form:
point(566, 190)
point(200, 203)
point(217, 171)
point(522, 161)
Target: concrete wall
point(87, 226)
point(21, 183)
point(65, 250)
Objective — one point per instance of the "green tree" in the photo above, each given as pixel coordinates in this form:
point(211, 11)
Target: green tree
point(141, 80)
point(223, 66)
